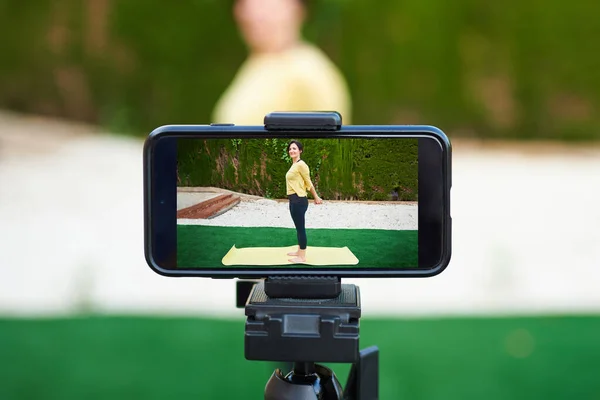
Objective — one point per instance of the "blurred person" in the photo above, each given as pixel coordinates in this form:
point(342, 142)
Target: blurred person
point(282, 71)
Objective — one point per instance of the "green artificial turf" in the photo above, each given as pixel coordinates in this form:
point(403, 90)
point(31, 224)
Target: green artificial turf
point(204, 246)
point(184, 358)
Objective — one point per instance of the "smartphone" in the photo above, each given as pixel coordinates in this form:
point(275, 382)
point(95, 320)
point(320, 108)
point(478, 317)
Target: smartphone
point(226, 201)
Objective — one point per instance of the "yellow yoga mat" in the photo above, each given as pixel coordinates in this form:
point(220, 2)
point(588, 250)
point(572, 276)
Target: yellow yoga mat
point(278, 256)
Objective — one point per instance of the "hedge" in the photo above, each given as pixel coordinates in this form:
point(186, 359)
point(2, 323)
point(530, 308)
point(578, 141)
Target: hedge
point(341, 169)
point(508, 69)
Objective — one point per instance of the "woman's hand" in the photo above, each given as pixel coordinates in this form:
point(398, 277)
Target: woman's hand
point(318, 200)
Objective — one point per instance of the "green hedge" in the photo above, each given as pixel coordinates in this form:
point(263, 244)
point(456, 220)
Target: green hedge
point(341, 169)
point(487, 69)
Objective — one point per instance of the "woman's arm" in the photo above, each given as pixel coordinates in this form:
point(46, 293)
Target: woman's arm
point(318, 200)
point(305, 173)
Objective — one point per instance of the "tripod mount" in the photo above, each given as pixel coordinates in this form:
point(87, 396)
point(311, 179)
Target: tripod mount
point(304, 321)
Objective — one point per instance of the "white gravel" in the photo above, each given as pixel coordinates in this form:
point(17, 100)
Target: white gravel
point(271, 213)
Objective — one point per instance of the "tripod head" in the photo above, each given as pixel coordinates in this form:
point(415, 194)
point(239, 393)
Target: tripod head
point(306, 320)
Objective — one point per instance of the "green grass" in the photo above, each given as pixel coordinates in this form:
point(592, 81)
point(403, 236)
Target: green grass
point(204, 246)
point(185, 358)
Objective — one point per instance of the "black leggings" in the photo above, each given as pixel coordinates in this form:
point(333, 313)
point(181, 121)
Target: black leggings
point(298, 207)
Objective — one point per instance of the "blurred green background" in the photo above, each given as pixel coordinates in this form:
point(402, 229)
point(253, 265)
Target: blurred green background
point(184, 358)
point(489, 70)
point(480, 69)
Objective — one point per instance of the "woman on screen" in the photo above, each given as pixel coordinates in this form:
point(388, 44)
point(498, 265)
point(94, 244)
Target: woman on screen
point(298, 183)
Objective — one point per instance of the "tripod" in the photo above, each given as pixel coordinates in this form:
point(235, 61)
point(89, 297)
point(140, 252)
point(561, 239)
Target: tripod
point(307, 320)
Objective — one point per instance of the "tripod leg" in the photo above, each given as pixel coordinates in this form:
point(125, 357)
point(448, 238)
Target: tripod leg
point(363, 380)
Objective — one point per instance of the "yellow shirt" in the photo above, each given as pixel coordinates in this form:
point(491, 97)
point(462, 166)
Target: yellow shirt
point(297, 179)
point(299, 79)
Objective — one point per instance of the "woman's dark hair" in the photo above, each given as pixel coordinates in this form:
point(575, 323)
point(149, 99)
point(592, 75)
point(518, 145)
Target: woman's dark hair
point(300, 147)
point(305, 3)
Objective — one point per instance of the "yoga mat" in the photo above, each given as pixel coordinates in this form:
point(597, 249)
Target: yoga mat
point(278, 256)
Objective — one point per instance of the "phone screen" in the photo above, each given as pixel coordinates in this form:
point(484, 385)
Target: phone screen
point(243, 202)
point(251, 202)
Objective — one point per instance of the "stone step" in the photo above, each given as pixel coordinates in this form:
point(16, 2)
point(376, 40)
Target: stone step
point(210, 208)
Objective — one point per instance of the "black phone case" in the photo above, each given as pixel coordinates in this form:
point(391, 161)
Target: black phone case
point(294, 125)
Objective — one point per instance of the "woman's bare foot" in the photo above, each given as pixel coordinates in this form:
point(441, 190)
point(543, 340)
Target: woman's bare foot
point(301, 257)
point(297, 260)
point(293, 254)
